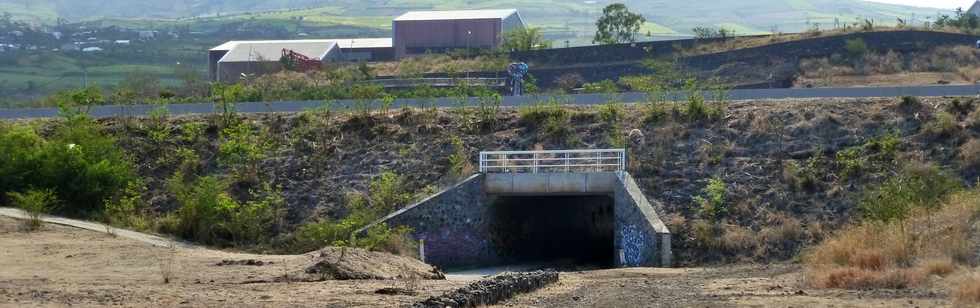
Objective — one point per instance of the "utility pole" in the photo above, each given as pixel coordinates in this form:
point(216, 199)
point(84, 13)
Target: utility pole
point(469, 55)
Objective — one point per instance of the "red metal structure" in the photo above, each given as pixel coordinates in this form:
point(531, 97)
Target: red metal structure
point(295, 61)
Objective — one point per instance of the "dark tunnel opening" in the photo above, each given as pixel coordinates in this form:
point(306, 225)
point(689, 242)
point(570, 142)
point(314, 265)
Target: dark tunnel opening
point(557, 230)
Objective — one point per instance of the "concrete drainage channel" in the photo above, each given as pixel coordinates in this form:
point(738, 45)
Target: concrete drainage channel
point(492, 290)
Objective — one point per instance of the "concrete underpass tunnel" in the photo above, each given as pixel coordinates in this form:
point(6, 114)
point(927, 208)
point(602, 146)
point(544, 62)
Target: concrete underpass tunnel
point(556, 230)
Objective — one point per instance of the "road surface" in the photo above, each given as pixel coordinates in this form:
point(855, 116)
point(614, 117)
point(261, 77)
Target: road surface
point(509, 101)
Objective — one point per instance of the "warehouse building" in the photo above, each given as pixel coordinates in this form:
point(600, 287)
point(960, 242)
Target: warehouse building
point(414, 33)
point(229, 60)
point(440, 31)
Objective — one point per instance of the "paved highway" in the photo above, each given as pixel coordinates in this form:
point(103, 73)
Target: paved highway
point(582, 99)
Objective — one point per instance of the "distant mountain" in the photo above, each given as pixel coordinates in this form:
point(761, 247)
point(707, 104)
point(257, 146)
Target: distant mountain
point(560, 18)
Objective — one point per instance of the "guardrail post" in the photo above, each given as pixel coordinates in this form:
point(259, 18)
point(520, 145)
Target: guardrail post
point(598, 161)
point(483, 168)
point(534, 163)
point(566, 163)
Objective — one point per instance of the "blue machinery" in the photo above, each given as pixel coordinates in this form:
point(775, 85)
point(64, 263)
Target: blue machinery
point(517, 71)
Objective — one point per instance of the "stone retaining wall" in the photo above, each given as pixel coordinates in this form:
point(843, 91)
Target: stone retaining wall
point(491, 291)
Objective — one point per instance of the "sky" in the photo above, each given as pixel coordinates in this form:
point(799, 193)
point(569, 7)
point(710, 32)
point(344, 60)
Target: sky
point(945, 4)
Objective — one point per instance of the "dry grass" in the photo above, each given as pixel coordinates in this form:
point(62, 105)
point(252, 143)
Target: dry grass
point(970, 153)
point(900, 254)
point(167, 263)
point(438, 63)
point(968, 292)
point(938, 266)
point(857, 278)
point(959, 64)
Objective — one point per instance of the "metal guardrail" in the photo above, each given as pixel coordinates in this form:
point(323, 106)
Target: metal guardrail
point(579, 161)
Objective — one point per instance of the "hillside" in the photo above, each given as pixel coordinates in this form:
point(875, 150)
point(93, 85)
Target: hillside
point(789, 166)
point(561, 19)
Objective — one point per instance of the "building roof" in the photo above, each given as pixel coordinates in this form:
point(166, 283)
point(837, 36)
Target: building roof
point(456, 15)
point(271, 51)
point(974, 9)
point(343, 43)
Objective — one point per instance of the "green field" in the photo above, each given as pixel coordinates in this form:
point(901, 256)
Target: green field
point(216, 21)
point(561, 19)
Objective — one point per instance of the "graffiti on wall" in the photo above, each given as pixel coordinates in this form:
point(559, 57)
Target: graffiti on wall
point(633, 242)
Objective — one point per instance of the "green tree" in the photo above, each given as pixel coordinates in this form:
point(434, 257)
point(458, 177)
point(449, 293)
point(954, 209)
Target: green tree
point(618, 25)
point(524, 39)
point(856, 48)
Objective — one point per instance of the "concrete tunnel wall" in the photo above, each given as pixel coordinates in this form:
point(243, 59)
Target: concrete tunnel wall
point(457, 226)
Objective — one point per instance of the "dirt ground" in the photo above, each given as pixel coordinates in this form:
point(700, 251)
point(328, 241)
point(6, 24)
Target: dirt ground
point(62, 266)
point(890, 80)
point(730, 286)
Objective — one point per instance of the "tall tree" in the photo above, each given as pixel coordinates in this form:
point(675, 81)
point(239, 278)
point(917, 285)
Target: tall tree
point(523, 39)
point(618, 25)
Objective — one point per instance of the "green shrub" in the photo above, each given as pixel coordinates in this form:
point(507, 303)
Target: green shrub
point(916, 186)
point(159, 130)
point(712, 202)
point(804, 176)
point(611, 112)
point(459, 161)
point(387, 101)
point(209, 215)
point(204, 207)
point(242, 149)
point(877, 154)
point(851, 162)
point(188, 161)
point(697, 109)
point(314, 236)
point(488, 108)
point(943, 125)
point(655, 112)
point(36, 203)
point(20, 148)
point(251, 222)
point(387, 194)
point(549, 119)
point(192, 133)
point(605, 86)
point(127, 209)
point(856, 48)
point(79, 163)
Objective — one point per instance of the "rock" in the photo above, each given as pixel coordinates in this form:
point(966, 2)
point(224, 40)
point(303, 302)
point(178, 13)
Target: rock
point(492, 290)
point(395, 291)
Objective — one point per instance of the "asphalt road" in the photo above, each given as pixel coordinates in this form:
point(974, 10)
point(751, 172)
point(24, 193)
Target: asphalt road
point(510, 101)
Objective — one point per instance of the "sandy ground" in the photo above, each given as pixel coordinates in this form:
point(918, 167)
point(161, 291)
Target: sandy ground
point(61, 266)
point(65, 266)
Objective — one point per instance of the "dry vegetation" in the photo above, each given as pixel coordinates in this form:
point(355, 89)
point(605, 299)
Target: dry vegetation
point(900, 254)
point(440, 63)
point(958, 64)
point(968, 292)
point(758, 41)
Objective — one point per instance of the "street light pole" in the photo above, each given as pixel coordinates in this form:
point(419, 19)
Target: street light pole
point(469, 33)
